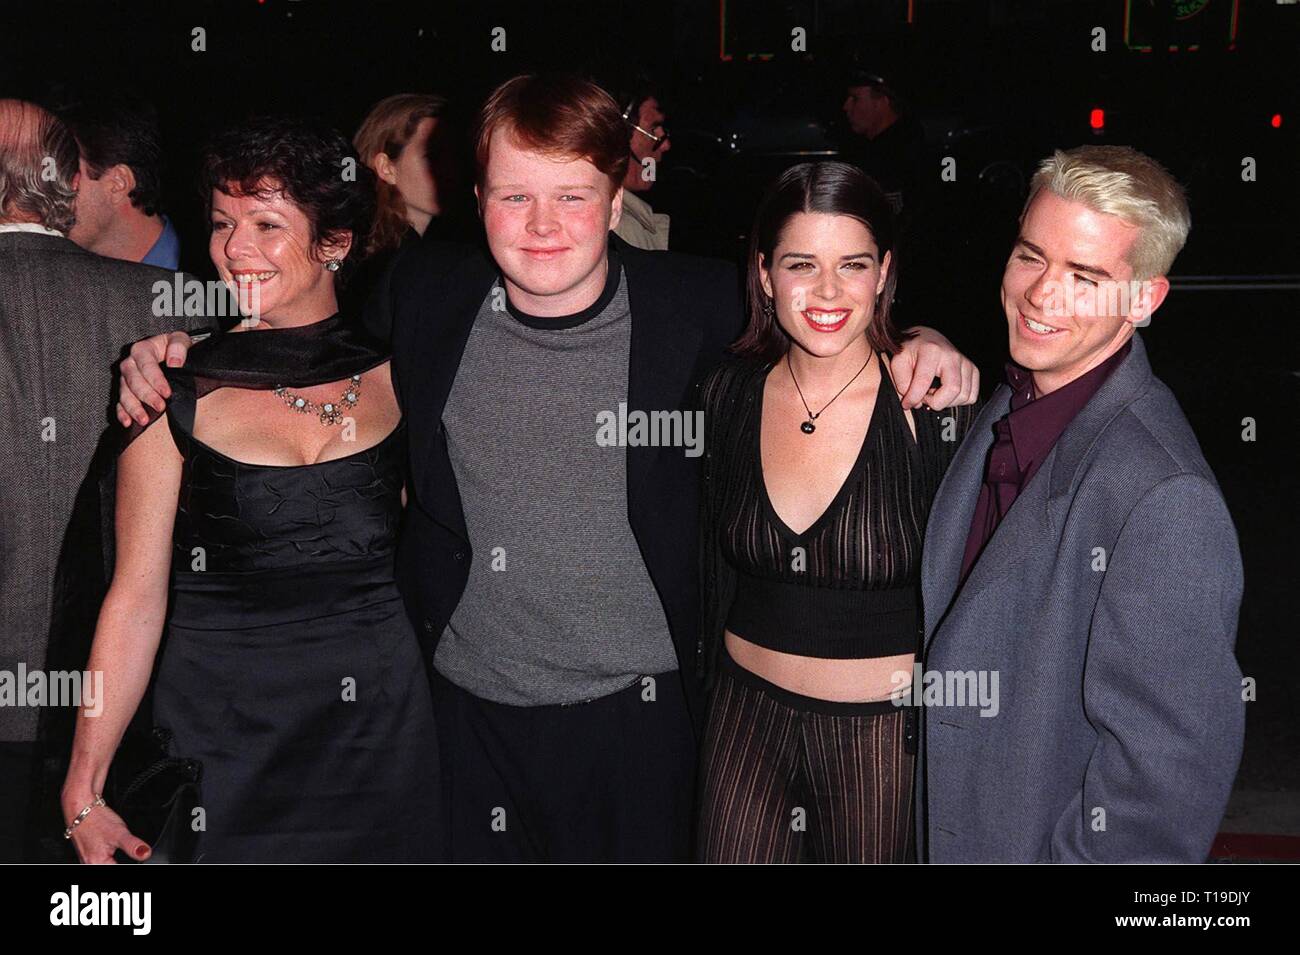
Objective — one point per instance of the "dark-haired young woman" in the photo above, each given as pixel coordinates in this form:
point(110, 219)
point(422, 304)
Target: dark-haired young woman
point(265, 513)
point(816, 490)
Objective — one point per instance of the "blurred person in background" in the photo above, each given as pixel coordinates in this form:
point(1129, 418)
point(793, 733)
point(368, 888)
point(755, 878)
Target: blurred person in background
point(648, 143)
point(120, 191)
point(887, 142)
point(413, 145)
point(65, 316)
point(393, 140)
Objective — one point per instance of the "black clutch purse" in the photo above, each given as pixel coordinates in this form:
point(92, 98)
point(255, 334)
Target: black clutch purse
point(157, 801)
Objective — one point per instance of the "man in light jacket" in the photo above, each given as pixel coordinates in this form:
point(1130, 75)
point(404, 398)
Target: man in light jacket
point(1081, 573)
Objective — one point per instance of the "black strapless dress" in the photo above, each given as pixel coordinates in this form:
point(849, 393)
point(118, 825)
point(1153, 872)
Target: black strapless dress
point(290, 669)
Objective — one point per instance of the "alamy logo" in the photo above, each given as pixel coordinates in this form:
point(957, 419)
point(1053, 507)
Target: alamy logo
point(103, 908)
point(656, 429)
point(974, 688)
point(189, 298)
point(53, 688)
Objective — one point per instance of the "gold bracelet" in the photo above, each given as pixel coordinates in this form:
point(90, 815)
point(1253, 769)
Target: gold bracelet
point(99, 801)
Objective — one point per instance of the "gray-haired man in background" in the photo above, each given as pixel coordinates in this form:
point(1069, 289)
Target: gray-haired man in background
point(65, 315)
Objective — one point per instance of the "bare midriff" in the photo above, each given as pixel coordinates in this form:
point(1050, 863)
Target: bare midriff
point(840, 681)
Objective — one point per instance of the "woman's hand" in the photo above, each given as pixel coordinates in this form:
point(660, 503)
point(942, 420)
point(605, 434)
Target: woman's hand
point(101, 833)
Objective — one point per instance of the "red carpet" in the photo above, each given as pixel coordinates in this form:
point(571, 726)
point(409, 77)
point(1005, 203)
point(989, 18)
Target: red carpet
point(1249, 846)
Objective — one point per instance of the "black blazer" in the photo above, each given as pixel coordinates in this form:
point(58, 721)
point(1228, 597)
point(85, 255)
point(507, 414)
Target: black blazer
point(685, 311)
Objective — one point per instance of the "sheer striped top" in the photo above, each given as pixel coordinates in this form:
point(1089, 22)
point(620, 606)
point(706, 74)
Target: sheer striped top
point(848, 586)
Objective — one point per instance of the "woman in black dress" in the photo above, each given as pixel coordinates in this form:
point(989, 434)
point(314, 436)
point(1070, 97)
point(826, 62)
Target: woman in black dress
point(817, 484)
point(266, 514)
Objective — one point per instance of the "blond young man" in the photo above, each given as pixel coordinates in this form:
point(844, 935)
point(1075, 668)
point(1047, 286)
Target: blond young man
point(1081, 574)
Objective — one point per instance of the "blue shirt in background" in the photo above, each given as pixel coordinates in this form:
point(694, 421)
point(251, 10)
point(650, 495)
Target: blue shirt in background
point(166, 252)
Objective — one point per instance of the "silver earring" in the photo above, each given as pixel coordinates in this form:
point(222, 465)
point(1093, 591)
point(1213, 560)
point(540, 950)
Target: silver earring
point(332, 265)
point(767, 308)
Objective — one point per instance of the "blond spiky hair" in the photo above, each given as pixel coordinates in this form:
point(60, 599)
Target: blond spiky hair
point(1120, 181)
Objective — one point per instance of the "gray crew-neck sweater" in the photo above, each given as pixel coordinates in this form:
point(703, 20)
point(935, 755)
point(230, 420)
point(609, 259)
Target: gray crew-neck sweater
point(559, 606)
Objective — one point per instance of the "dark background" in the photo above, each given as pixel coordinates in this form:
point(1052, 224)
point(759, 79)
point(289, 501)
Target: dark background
point(997, 85)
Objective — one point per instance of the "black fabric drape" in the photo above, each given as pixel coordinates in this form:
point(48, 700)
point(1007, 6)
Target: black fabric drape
point(329, 350)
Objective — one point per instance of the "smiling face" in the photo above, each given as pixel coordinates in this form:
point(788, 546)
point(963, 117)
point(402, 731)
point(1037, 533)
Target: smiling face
point(261, 245)
point(1067, 291)
point(547, 221)
point(824, 277)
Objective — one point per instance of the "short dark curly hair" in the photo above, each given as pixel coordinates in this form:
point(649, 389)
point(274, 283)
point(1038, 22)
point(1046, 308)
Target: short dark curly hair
point(312, 165)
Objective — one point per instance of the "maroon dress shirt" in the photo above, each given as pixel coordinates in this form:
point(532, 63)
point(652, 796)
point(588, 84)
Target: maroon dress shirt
point(1024, 436)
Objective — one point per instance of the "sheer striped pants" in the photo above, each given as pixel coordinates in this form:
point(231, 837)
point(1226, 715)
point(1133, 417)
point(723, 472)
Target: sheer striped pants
point(788, 778)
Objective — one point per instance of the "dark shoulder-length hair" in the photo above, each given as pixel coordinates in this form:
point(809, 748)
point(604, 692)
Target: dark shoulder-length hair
point(835, 188)
point(311, 165)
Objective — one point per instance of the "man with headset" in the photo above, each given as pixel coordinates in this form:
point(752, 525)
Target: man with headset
point(644, 116)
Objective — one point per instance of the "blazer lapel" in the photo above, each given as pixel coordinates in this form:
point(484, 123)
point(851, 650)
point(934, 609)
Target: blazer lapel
point(1028, 521)
point(952, 510)
point(662, 359)
point(442, 329)
point(1039, 511)
point(1126, 383)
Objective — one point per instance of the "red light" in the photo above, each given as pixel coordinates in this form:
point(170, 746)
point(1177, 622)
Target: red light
point(1276, 121)
point(1097, 119)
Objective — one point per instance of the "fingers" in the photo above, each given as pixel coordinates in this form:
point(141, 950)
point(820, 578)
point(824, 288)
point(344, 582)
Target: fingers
point(143, 381)
point(133, 846)
point(959, 379)
point(94, 843)
point(900, 369)
point(950, 382)
point(135, 392)
point(927, 366)
point(171, 348)
point(968, 390)
point(178, 346)
point(97, 841)
point(971, 393)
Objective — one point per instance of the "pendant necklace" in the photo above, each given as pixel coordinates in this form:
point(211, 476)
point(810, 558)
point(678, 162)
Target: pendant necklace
point(331, 412)
point(808, 427)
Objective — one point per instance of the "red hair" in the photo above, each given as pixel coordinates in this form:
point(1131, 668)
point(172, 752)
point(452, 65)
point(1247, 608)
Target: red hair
point(559, 114)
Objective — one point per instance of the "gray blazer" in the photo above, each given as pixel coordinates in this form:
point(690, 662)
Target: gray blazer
point(65, 317)
point(1105, 605)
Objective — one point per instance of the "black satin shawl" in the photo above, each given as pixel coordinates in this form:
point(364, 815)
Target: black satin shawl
point(329, 350)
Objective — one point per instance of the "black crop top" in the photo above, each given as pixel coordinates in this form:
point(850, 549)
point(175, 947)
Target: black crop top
point(848, 586)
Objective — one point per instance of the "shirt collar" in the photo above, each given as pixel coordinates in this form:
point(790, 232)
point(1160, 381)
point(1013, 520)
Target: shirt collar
point(165, 252)
point(565, 322)
point(640, 210)
point(1036, 422)
point(29, 227)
